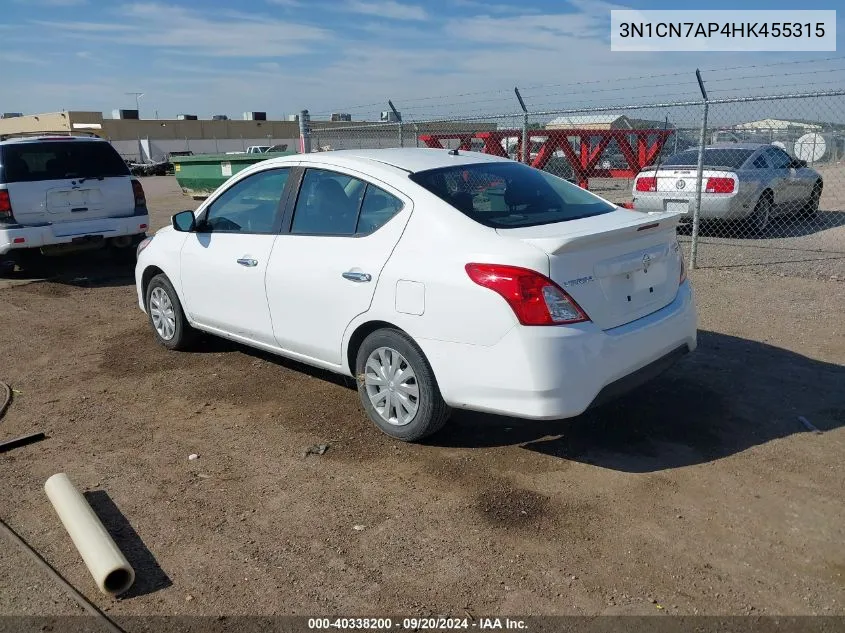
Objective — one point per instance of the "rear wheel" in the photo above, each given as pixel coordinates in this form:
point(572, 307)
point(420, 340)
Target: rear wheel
point(165, 312)
point(759, 220)
point(397, 387)
point(122, 249)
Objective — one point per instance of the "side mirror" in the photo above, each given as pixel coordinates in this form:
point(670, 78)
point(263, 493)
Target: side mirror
point(184, 221)
point(798, 164)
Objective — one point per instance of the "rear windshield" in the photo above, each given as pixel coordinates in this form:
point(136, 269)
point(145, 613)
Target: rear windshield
point(510, 195)
point(732, 158)
point(58, 160)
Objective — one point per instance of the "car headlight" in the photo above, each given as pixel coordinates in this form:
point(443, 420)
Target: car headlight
point(143, 244)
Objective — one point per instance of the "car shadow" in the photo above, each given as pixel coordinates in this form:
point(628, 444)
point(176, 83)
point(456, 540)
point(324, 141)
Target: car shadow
point(149, 576)
point(781, 226)
point(95, 269)
point(211, 344)
point(730, 395)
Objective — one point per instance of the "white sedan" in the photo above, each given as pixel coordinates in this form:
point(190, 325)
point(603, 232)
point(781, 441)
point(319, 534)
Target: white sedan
point(439, 279)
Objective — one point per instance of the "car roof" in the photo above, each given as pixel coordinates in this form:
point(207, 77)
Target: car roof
point(749, 146)
point(411, 159)
point(50, 137)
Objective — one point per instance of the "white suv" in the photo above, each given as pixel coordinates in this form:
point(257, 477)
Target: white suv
point(64, 193)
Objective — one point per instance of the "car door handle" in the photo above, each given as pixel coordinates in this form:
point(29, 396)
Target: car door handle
point(356, 276)
point(245, 261)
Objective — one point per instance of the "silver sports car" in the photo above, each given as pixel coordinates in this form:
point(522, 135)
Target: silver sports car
point(741, 181)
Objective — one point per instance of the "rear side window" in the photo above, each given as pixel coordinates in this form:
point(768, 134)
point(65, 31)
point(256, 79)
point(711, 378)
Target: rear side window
point(760, 162)
point(60, 160)
point(510, 195)
point(376, 209)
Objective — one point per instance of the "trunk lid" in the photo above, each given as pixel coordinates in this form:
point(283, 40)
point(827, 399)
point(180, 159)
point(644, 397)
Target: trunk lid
point(66, 200)
point(676, 186)
point(619, 266)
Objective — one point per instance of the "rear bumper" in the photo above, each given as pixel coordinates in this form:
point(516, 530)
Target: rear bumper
point(22, 237)
point(559, 372)
point(713, 207)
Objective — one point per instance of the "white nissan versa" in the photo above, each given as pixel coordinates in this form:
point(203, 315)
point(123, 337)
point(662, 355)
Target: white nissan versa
point(439, 279)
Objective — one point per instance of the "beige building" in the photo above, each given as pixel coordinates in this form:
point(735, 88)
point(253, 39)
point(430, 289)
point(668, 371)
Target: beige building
point(153, 139)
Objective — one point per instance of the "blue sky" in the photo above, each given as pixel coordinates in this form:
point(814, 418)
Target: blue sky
point(458, 56)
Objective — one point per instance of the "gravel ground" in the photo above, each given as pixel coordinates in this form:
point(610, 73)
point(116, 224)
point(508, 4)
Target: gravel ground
point(700, 493)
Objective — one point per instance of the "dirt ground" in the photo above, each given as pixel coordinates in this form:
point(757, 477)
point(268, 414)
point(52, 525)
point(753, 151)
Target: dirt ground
point(701, 493)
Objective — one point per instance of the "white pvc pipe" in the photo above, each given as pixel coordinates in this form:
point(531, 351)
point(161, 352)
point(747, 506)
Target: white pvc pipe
point(110, 569)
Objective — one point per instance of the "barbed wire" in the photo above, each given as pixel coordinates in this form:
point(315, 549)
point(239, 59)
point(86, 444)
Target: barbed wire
point(409, 103)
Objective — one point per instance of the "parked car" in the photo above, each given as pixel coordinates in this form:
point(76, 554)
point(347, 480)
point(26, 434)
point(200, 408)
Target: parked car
point(439, 279)
point(60, 193)
point(752, 182)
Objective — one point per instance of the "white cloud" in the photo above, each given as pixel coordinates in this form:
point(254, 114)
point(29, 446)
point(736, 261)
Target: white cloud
point(270, 66)
point(169, 27)
point(457, 66)
point(488, 7)
point(389, 9)
point(53, 3)
point(22, 58)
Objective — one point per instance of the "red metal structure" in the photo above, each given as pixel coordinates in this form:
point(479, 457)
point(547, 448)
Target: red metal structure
point(590, 143)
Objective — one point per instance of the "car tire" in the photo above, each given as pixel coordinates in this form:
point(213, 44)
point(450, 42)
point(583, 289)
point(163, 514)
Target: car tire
point(760, 218)
point(164, 310)
point(811, 208)
point(397, 386)
point(33, 263)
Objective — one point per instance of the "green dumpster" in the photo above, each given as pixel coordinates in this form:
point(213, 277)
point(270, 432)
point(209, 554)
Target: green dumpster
point(200, 175)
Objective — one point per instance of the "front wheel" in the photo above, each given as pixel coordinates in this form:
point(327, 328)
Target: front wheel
point(165, 312)
point(397, 387)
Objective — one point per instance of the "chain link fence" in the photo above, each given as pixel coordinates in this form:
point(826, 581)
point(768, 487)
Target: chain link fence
point(759, 182)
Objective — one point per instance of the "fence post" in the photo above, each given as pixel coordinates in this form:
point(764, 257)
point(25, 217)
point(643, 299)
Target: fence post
point(702, 141)
point(526, 153)
point(304, 133)
point(399, 120)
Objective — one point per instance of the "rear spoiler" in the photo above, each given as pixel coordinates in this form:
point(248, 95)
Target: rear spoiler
point(705, 166)
point(571, 240)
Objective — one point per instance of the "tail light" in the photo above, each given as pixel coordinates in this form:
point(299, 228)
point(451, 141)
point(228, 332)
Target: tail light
point(534, 298)
point(647, 183)
point(6, 216)
point(719, 185)
point(138, 190)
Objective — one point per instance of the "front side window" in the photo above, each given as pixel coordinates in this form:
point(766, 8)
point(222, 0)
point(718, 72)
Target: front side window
point(328, 203)
point(510, 195)
point(249, 206)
